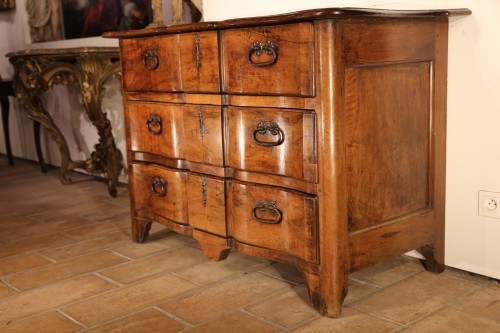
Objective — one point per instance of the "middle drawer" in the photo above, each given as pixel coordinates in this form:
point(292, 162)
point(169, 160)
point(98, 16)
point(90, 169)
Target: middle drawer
point(272, 141)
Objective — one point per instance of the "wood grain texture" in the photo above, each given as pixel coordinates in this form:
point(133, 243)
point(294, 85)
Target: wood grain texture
point(295, 234)
point(207, 204)
point(173, 205)
point(388, 141)
point(167, 75)
point(203, 131)
point(246, 147)
point(291, 74)
point(155, 128)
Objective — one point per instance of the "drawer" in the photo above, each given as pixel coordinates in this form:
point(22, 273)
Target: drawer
point(274, 141)
point(272, 60)
point(159, 190)
point(207, 204)
point(155, 128)
point(203, 129)
point(151, 63)
point(199, 54)
point(273, 218)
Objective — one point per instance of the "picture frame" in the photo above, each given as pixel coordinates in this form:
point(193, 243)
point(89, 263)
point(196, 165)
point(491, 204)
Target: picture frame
point(91, 18)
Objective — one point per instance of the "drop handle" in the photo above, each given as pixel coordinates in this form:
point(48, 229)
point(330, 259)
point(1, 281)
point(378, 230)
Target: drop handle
point(154, 124)
point(150, 59)
point(268, 207)
point(257, 49)
point(159, 187)
point(263, 128)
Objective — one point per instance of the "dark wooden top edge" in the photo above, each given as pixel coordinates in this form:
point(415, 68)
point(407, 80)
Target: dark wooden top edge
point(68, 52)
point(305, 15)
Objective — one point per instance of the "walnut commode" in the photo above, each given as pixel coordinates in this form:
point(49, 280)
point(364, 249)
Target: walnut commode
point(315, 138)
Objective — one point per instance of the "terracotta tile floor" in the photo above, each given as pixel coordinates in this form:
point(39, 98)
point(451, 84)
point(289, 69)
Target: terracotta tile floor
point(67, 264)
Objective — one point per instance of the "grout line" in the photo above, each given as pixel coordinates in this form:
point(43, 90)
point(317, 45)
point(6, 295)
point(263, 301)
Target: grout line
point(105, 278)
point(64, 314)
point(376, 316)
point(273, 324)
point(174, 317)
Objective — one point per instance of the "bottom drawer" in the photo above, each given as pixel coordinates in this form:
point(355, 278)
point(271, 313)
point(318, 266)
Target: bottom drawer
point(273, 218)
point(159, 190)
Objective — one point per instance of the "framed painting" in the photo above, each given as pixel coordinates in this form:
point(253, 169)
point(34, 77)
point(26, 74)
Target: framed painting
point(90, 18)
point(7, 4)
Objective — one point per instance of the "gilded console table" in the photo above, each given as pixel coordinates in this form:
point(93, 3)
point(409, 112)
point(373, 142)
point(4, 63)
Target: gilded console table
point(90, 67)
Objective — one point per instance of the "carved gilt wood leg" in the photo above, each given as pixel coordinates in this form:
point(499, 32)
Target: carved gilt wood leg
point(39, 153)
point(37, 113)
point(94, 72)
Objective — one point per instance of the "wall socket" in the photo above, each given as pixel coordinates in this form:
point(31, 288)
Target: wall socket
point(489, 204)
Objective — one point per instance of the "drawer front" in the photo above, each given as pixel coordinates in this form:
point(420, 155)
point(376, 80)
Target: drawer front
point(275, 219)
point(207, 204)
point(199, 54)
point(155, 128)
point(274, 60)
point(203, 128)
point(159, 190)
point(151, 63)
point(274, 141)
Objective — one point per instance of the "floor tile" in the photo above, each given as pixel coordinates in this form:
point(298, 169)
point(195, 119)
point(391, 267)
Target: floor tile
point(55, 295)
point(224, 297)
point(484, 302)
point(285, 272)
point(41, 228)
point(128, 299)
point(148, 321)
point(62, 270)
point(100, 227)
point(21, 262)
point(288, 309)
point(414, 297)
point(463, 275)
point(452, 320)
point(167, 241)
point(49, 322)
point(5, 291)
point(352, 321)
point(388, 272)
point(358, 290)
point(34, 244)
point(234, 322)
point(87, 246)
point(157, 263)
point(209, 272)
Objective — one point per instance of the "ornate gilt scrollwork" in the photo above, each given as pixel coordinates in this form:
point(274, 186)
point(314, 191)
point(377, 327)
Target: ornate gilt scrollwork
point(90, 68)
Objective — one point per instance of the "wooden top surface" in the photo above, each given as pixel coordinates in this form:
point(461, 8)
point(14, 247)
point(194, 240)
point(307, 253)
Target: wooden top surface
point(306, 15)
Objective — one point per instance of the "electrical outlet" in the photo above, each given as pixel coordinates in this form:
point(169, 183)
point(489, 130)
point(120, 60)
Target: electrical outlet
point(489, 204)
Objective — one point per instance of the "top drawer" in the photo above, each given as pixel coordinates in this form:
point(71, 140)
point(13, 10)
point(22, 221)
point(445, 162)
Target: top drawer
point(171, 63)
point(270, 60)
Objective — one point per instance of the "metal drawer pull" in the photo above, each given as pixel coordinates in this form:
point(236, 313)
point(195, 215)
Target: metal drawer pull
point(154, 124)
point(272, 128)
point(269, 207)
point(258, 48)
point(150, 59)
point(159, 187)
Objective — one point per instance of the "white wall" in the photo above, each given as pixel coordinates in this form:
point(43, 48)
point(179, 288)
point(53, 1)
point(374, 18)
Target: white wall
point(472, 241)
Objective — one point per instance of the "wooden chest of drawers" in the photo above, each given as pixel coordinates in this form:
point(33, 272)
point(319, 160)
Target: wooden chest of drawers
point(315, 138)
